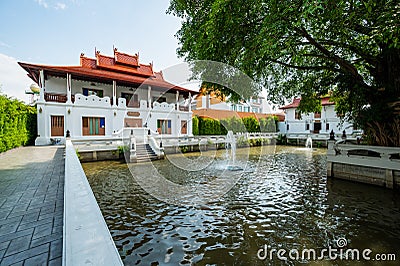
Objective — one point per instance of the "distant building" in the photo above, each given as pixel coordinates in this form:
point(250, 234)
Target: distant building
point(317, 123)
point(103, 95)
point(253, 105)
point(225, 114)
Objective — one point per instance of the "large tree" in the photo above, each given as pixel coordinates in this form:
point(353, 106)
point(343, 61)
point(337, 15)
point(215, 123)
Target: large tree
point(306, 48)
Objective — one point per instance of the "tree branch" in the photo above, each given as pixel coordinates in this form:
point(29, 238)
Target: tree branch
point(344, 65)
point(302, 67)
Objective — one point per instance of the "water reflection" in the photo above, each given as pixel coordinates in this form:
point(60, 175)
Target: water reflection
point(286, 202)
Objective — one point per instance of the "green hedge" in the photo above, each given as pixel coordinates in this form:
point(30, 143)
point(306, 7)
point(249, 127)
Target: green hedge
point(209, 126)
point(195, 125)
point(17, 123)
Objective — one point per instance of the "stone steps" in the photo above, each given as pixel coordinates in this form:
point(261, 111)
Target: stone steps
point(144, 153)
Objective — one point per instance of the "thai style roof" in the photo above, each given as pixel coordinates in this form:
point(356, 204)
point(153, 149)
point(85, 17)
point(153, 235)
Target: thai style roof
point(125, 69)
point(296, 102)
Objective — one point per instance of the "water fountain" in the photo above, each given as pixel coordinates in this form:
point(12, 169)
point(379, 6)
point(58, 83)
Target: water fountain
point(309, 142)
point(231, 140)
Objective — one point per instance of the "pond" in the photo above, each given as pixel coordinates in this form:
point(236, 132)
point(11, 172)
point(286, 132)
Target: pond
point(283, 202)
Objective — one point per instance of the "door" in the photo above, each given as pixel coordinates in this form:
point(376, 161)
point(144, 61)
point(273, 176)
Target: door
point(57, 126)
point(317, 127)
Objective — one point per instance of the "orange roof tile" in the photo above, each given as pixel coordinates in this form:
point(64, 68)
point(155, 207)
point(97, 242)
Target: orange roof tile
point(122, 58)
point(296, 103)
point(103, 68)
point(224, 114)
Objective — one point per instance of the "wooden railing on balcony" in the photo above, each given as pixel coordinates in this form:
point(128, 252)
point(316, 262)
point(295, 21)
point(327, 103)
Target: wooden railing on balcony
point(53, 97)
point(184, 108)
point(57, 97)
point(133, 104)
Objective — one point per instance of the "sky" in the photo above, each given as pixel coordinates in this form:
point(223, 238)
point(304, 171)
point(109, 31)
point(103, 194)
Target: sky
point(56, 32)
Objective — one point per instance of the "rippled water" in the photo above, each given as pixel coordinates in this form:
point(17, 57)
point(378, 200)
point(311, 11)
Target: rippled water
point(285, 201)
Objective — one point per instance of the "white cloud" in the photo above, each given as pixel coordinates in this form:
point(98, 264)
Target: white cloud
point(4, 44)
point(13, 78)
point(61, 6)
point(42, 3)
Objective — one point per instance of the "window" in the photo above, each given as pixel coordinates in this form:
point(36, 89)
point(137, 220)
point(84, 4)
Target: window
point(297, 115)
point(327, 126)
point(88, 92)
point(183, 127)
point(164, 126)
point(57, 126)
point(93, 126)
point(317, 115)
point(287, 127)
point(307, 126)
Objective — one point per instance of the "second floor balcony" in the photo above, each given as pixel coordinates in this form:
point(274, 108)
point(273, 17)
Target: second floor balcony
point(109, 102)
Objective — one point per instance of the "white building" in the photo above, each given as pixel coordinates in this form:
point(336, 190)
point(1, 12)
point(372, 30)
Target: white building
point(104, 95)
point(254, 105)
point(313, 123)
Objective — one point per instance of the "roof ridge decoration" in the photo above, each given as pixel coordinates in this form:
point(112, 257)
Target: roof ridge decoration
point(325, 100)
point(104, 68)
point(126, 59)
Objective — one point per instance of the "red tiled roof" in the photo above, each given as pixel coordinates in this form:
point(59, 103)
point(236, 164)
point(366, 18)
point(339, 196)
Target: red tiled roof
point(110, 63)
point(122, 58)
point(103, 68)
point(326, 101)
point(296, 103)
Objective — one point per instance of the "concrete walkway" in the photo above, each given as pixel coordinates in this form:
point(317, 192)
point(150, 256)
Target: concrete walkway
point(31, 206)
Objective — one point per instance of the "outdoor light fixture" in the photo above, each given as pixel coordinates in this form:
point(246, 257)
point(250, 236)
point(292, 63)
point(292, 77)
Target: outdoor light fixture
point(69, 111)
point(115, 113)
point(40, 110)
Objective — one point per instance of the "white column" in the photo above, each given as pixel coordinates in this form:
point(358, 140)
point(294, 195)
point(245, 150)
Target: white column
point(41, 85)
point(177, 100)
point(149, 96)
point(190, 102)
point(69, 94)
point(115, 94)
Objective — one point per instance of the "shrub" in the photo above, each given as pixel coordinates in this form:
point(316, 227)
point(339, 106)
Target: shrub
point(195, 125)
point(17, 123)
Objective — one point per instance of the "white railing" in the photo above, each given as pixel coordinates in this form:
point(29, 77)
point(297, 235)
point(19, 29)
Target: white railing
point(169, 141)
point(363, 155)
point(156, 147)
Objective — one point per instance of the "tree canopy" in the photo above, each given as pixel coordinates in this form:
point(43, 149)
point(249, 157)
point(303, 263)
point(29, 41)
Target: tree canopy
point(308, 48)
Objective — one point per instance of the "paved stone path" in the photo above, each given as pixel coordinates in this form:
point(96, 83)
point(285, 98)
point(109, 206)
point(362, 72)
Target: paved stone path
point(31, 206)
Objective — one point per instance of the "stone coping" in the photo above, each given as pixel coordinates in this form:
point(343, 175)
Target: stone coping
point(87, 240)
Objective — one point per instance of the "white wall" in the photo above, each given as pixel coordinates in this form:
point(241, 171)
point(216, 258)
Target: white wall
point(328, 116)
point(93, 106)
